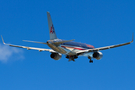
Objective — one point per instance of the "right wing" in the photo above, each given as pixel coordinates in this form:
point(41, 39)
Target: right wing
point(29, 48)
point(106, 47)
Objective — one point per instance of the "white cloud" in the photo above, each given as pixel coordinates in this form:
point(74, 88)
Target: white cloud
point(7, 52)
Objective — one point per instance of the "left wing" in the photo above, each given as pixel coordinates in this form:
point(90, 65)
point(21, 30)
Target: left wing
point(104, 48)
point(29, 48)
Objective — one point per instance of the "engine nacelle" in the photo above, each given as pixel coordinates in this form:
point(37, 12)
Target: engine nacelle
point(56, 56)
point(97, 55)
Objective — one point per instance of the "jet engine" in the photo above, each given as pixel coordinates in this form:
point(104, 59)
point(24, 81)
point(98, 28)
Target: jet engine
point(56, 56)
point(97, 55)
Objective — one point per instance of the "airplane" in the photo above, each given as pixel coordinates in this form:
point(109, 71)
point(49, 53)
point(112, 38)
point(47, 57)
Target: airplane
point(72, 50)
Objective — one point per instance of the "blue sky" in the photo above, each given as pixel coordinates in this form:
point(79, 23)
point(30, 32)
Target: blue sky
point(96, 22)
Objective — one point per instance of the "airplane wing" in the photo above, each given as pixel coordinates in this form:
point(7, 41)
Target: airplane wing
point(104, 48)
point(29, 48)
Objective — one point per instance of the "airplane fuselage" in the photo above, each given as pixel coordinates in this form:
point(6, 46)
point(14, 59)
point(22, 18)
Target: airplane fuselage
point(68, 48)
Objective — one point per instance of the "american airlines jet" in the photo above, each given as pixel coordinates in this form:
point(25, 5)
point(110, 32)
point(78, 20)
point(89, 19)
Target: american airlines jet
point(72, 50)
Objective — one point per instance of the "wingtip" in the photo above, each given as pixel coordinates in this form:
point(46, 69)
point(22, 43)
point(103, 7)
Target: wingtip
point(24, 40)
point(132, 37)
point(2, 40)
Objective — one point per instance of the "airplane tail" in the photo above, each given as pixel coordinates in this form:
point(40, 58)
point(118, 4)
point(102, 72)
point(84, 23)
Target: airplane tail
point(51, 27)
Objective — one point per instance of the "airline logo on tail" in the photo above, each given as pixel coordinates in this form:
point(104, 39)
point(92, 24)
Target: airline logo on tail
point(52, 30)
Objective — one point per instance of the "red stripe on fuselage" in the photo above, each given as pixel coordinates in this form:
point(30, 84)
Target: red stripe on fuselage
point(90, 46)
point(73, 48)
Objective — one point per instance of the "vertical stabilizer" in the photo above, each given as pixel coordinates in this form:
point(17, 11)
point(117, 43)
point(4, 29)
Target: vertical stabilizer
point(51, 27)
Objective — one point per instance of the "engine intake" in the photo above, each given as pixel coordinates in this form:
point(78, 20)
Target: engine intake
point(97, 55)
point(56, 56)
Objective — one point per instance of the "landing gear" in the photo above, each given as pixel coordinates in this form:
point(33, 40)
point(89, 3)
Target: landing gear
point(71, 58)
point(91, 61)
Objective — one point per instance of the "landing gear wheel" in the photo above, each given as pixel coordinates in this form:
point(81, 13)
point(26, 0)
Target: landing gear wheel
point(71, 60)
point(91, 61)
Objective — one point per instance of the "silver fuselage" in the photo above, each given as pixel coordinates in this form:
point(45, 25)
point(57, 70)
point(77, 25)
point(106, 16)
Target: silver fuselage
point(70, 48)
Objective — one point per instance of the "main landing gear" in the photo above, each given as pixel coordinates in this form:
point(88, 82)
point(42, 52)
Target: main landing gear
point(91, 61)
point(71, 58)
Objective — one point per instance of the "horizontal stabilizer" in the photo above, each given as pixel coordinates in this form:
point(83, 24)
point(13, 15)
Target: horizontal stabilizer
point(34, 42)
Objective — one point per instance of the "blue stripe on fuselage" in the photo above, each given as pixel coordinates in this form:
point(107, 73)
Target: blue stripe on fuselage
point(77, 44)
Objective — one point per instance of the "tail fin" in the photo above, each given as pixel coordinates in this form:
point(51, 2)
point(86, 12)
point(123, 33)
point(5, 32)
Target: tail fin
point(51, 27)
